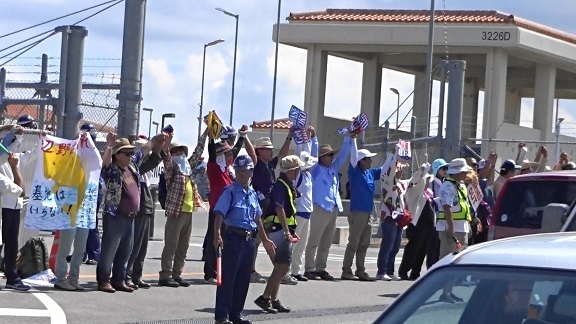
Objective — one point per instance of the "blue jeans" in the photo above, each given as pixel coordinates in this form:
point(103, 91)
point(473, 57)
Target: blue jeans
point(389, 246)
point(93, 242)
point(117, 240)
point(237, 258)
point(139, 249)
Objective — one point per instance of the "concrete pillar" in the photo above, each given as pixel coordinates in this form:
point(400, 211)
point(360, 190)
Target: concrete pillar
point(513, 107)
point(470, 108)
point(544, 88)
point(494, 96)
point(420, 111)
point(315, 90)
point(371, 89)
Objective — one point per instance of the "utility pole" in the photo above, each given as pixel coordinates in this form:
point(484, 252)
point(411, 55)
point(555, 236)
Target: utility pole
point(73, 96)
point(131, 73)
point(61, 104)
point(42, 93)
point(456, 71)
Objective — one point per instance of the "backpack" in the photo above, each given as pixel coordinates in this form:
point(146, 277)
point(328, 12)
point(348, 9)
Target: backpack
point(32, 257)
point(162, 192)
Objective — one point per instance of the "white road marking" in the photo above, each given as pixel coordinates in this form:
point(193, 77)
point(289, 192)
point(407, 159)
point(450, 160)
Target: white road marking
point(24, 312)
point(56, 313)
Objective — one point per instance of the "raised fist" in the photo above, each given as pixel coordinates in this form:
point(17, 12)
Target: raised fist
point(111, 138)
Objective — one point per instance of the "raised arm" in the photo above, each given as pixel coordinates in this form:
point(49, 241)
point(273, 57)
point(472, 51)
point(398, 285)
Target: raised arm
point(354, 153)
point(107, 157)
point(286, 147)
point(243, 133)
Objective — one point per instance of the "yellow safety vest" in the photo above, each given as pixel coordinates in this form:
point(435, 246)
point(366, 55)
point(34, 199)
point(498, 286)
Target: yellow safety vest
point(290, 219)
point(464, 213)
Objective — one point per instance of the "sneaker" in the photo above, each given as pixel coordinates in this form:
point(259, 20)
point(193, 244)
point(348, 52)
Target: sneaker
point(394, 278)
point(311, 275)
point(447, 298)
point(288, 280)
point(255, 277)
point(168, 283)
point(383, 277)
point(76, 285)
point(64, 285)
point(299, 277)
point(277, 305)
point(182, 282)
point(456, 298)
point(324, 275)
point(363, 276)
point(20, 286)
point(210, 281)
point(348, 276)
point(265, 304)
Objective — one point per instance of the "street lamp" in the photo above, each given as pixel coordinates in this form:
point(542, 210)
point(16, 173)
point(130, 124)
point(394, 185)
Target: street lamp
point(237, 17)
point(557, 152)
point(168, 115)
point(275, 72)
point(150, 124)
point(216, 42)
point(397, 105)
point(155, 123)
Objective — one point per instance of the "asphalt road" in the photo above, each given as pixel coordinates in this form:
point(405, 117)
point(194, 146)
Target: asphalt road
point(311, 302)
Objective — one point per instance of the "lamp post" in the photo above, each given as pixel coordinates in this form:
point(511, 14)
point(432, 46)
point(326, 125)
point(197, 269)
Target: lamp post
point(167, 115)
point(557, 152)
point(275, 72)
point(150, 124)
point(155, 123)
point(237, 17)
point(212, 43)
point(397, 105)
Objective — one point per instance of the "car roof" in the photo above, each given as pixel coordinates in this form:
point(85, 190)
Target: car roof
point(551, 175)
point(548, 250)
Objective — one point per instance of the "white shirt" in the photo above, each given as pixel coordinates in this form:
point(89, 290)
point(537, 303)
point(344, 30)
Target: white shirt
point(449, 196)
point(24, 159)
point(304, 203)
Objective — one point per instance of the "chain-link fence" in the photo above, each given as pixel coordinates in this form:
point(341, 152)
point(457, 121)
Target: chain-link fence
point(99, 103)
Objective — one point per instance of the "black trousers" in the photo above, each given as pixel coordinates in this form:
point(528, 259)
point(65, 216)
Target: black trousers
point(418, 243)
point(139, 249)
point(10, 229)
point(209, 250)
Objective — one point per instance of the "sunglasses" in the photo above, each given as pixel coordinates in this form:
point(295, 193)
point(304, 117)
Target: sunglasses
point(127, 153)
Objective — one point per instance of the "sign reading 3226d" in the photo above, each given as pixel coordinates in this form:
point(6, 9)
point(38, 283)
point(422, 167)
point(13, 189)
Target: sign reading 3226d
point(498, 36)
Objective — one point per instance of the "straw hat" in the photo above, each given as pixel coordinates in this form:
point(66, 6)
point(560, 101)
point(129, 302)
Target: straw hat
point(325, 149)
point(222, 147)
point(290, 162)
point(527, 164)
point(263, 143)
point(120, 144)
point(175, 145)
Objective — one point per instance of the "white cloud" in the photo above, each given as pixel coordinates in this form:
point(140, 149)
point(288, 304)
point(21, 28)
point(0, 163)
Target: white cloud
point(160, 71)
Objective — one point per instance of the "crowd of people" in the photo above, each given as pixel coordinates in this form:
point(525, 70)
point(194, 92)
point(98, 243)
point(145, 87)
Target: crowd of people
point(290, 213)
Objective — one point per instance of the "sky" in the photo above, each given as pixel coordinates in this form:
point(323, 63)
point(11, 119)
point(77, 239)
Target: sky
point(176, 31)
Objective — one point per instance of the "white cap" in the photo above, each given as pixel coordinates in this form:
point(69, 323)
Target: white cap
point(364, 153)
point(308, 160)
point(457, 166)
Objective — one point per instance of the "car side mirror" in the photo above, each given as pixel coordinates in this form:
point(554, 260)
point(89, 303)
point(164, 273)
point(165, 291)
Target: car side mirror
point(554, 217)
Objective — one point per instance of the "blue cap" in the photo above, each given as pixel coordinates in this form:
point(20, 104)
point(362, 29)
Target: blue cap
point(509, 165)
point(243, 162)
point(437, 164)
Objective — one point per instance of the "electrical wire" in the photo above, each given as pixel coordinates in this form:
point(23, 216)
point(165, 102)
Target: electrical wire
point(98, 12)
point(58, 18)
point(16, 44)
point(25, 49)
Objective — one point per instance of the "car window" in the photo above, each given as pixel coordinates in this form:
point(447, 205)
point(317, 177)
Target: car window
point(523, 203)
point(489, 295)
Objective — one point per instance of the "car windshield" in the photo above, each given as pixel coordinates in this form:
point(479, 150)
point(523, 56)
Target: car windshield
point(490, 295)
point(524, 202)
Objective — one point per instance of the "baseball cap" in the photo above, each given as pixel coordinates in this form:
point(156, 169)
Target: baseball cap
point(481, 164)
point(243, 162)
point(509, 165)
point(364, 153)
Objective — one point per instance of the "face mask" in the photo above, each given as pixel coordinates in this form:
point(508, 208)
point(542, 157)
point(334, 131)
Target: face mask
point(182, 164)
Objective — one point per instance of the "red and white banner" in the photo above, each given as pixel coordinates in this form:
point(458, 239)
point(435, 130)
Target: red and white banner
point(475, 195)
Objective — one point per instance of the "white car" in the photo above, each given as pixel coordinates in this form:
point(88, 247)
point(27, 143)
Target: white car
point(524, 279)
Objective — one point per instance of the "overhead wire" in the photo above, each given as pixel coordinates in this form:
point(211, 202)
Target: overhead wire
point(58, 18)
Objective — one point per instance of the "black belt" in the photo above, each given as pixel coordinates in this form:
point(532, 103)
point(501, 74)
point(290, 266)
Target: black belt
point(131, 215)
point(244, 233)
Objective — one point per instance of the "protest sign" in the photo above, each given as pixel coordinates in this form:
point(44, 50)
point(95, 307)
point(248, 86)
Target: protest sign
point(299, 118)
point(404, 150)
point(358, 125)
point(475, 195)
point(64, 188)
point(214, 125)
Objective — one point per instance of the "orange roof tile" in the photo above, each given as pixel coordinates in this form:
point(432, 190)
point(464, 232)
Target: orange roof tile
point(283, 123)
point(423, 16)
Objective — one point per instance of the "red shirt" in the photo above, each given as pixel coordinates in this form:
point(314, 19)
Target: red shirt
point(218, 180)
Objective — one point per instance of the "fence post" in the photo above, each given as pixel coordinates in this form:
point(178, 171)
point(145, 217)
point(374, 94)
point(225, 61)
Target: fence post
point(61, 105)
point(43, 92)
point(72, 113)
point(456, 70)
point(412, 137)
point(386, 136)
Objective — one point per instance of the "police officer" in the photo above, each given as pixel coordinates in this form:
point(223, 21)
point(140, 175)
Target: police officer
point(237, 222)
point(26, 121)
point(280, 222)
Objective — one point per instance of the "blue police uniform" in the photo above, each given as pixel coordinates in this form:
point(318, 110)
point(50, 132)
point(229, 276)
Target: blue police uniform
point(241, 210)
